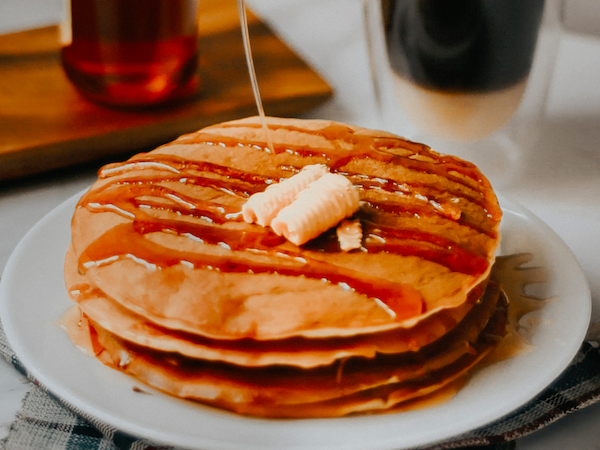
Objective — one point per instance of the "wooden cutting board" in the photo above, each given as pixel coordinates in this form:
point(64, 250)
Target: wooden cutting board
point(45, 125)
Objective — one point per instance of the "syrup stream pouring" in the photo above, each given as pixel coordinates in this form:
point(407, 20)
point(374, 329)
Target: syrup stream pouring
point(252, 72)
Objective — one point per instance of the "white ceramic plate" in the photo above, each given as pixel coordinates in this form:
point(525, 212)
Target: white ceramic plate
point(33, 299)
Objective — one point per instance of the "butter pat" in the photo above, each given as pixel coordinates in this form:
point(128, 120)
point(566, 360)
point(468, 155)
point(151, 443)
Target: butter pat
point(263, 207)
point(349, 234)
point(324, 203)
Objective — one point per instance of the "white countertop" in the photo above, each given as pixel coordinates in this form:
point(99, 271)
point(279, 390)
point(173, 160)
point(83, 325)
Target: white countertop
point(559, 181)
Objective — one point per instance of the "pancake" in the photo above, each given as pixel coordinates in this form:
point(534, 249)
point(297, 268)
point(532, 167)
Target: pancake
point(210, 307)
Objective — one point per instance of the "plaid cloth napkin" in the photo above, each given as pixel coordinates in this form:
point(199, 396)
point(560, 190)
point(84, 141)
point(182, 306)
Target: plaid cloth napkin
point(46, 423)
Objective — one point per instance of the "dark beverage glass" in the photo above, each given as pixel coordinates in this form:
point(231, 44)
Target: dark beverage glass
point(132, 53)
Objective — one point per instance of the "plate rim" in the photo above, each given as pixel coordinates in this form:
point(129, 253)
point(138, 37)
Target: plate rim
point(92, 413)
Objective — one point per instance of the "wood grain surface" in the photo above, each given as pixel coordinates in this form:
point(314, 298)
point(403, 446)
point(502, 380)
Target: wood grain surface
point(46, 125)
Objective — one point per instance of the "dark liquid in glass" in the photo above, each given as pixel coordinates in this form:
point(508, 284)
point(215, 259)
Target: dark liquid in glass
point(131, 52)
point(464, 47)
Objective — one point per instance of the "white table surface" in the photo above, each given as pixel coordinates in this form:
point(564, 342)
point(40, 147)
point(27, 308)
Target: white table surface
point(559, 181)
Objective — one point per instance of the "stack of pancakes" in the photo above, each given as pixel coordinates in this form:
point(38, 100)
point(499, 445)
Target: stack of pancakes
point(181, 293)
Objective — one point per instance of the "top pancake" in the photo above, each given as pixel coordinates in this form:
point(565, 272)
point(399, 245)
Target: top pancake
point(162, 236)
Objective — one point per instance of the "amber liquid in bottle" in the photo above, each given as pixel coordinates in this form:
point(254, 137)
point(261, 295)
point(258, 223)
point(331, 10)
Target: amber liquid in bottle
point(132, 53)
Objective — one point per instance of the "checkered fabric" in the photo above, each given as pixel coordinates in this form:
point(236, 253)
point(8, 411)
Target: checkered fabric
point(46, 423)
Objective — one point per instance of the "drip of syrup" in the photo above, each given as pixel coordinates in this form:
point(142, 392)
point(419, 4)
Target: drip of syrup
point(252, 72)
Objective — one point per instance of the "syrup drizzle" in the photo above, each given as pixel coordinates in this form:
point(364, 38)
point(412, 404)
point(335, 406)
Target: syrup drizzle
point(412, 194)
point(126, 240)
point(251, 69)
